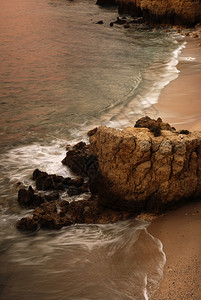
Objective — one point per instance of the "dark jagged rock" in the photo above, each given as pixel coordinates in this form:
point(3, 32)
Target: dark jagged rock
point(55, 215)
point(27, 224)
point(55, 182)
point(52, 215)
point(106, 3)
point(29, 199)
point(152, 125)
point(81, 161)
point(120, 21)
point(90, 212)
point(49, 182)
point(183, 131)
point(26, 197)
point(76, 190)
point(73, 190)
point(100, 22)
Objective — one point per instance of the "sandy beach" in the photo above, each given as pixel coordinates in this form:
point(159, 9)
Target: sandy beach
point(180, 233)
point(180, 101)
point(180, 230)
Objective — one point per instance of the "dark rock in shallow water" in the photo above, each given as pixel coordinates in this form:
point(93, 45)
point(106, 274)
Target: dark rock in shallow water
point(81, 161)
point(121, 21)
point(100, 22)
point(55, 182)
point(106, 2)
point(26, 197)
point(52, 215)
point(90, 212)
point(78, 182)
point(73, 190)
point(183, 131)
point(49, 182)
point(29, 199)
point(27, 224)
point(55, 215)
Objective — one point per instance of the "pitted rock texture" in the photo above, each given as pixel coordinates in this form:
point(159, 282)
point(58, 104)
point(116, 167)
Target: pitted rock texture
point(140, 171)
point(174, 12)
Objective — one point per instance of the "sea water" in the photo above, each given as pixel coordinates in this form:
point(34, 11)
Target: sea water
point(61, 74)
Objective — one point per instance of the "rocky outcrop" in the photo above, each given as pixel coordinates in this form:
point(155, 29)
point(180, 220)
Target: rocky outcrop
point(150, 167)
point(174, 12)
point(141, 171)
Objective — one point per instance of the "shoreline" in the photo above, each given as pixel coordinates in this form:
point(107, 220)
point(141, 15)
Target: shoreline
point(180, 230)
point(179, 102)
point(180, 233)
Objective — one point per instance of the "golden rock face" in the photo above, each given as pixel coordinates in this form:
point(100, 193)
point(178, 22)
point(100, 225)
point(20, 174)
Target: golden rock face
point(152, 170)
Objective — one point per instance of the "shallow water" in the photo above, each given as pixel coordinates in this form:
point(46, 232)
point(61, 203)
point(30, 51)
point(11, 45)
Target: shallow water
point(60, 70)
point(117, 261)
point(62, 74)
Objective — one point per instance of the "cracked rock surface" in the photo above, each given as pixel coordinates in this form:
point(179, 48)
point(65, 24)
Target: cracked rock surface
point(140, 171)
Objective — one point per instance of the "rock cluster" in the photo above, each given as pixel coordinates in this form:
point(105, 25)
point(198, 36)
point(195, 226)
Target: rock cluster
point(150, 167)
point(173, 12)
point(53, 213)
point(56, 214)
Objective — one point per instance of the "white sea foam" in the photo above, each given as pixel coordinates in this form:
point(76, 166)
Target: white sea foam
point(123, 112)
point(19, 163)
point(186, 58)
point(162, 79)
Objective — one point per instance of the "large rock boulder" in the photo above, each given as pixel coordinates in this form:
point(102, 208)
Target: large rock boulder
point(138, 170)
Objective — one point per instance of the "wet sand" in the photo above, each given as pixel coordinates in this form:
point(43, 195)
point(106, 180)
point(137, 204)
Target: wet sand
point(180, 230)
point(180, 102)
point(180, 233)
